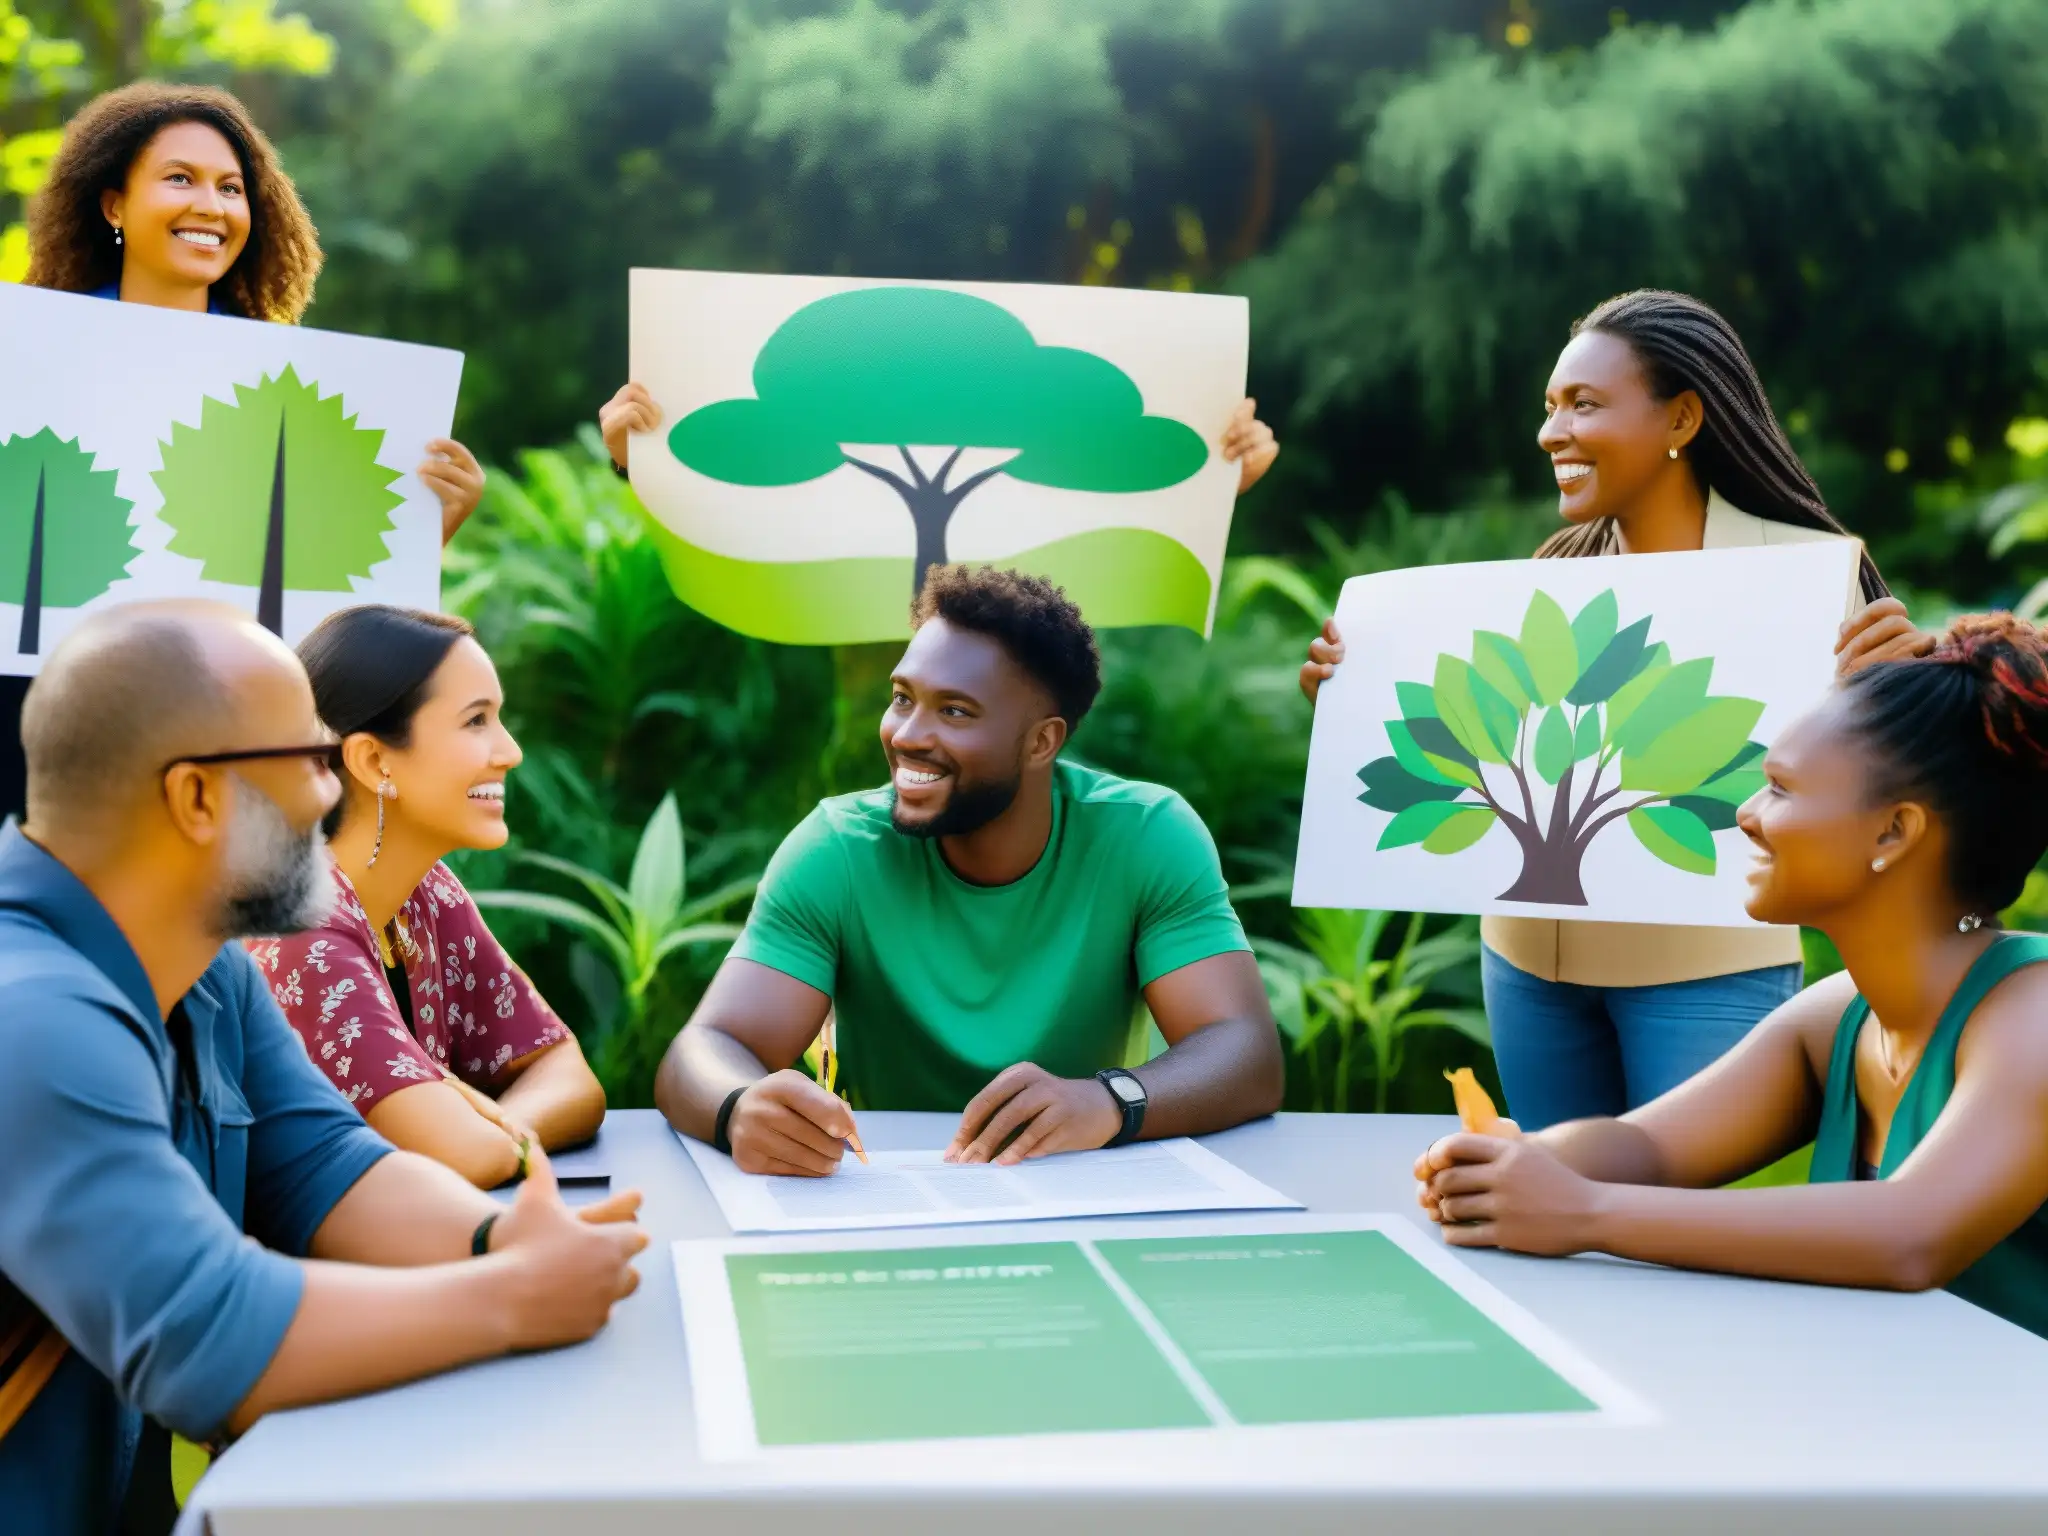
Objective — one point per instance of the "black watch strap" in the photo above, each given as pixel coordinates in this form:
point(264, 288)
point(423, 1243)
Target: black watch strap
point(1131, 1108)
point(720, 1129)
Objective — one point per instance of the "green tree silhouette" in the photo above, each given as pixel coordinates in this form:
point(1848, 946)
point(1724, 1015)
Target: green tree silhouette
point(278, 491)
point(933, 368)
point(64, 532)
point(1566, 699)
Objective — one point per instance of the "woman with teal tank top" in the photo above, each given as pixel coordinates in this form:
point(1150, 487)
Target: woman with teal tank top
point(1897, 818)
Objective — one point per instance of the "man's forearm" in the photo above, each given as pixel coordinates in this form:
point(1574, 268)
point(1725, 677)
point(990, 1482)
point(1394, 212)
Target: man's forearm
point(1221, 1075)
point(406, 1210)
point(359, 1329)
point(702, 1068)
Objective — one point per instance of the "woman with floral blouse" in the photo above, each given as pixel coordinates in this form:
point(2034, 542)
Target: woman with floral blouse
point(404, 998)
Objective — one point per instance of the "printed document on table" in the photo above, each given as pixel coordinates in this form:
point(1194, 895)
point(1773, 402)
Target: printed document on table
point(918, 1189)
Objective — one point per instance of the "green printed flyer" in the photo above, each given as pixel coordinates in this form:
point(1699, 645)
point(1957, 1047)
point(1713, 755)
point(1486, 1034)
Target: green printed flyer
point(1108, 1328)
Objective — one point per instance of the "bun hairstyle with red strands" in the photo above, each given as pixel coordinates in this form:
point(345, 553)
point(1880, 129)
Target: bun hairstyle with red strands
point(1964, 731)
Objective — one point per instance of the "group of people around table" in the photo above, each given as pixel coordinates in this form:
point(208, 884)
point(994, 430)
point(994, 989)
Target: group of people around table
point(261, 1057)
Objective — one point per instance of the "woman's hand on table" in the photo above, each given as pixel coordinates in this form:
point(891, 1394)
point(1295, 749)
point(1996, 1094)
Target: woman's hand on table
point(453, 474)
point(1325, 654)
point(1879, 631)
point(1506, 1191)
point(631, 410)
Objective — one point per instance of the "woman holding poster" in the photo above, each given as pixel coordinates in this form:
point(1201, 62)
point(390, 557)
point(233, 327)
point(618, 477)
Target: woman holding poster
point(170, 195)
point(1661, 439)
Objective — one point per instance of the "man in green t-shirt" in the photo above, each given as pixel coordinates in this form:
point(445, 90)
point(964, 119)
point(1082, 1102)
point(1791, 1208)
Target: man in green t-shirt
point(982, 927)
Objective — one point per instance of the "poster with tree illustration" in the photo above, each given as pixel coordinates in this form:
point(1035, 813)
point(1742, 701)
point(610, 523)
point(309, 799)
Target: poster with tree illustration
point(826, 441)
point(152, 453)
point(1568, 738)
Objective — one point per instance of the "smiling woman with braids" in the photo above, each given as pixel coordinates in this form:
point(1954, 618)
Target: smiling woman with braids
point(1661, 439)
point(170, 195)
point(1896, 818)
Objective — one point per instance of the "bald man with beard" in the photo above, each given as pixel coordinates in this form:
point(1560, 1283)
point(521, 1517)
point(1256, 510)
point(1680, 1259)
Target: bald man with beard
point(157, 1113)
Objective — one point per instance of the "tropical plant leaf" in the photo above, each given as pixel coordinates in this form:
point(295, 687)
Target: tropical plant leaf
point(1460, 830)
point(1392, 788)
point(1675, 836)
point(696, 933)
point(1548, 648)
point(1688, 754)
point(1285, 992)
point(1417, 822)
point(1553, 745)
point(1677, 694)
point(1244, 579)
point(1417, 700)
point(1472, 1023)
point(1588, 740)
point(611, 896)
point(1501, 721)
point(739, 890)
point(1412, 757)
point(559, 909)
point(1614, 666)
point(1716, 815)
point(655, 885)
point(1593, 629)
point(1499, 660)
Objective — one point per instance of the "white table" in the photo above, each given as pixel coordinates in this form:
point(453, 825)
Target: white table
point(1780, 1407)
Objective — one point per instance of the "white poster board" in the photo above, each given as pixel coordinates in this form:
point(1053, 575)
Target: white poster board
point(823, 440)
point(1642, 688)
point(152, 439)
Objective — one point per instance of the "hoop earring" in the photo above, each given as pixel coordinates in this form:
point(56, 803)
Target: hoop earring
point(383, 794)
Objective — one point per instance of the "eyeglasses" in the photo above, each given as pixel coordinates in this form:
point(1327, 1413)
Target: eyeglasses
point(322, 750)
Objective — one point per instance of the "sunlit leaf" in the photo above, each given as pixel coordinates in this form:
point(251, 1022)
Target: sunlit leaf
point(1416, 823)
point(1412, 757)
point(1593, 629)
point(1587, 742)
point(1460, 710)
point(1417, 700)
point(1677, 694)
point(656, 882)
point(1501, 721)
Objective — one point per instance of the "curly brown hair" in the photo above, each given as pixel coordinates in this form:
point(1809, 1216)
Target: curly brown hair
point(71, 245)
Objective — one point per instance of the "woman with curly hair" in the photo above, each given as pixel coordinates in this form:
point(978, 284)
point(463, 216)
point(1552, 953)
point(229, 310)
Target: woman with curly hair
point(170, 195)
point(1898, 818)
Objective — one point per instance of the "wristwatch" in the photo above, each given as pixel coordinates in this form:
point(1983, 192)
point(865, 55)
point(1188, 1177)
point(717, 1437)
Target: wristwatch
point(1129, 1094)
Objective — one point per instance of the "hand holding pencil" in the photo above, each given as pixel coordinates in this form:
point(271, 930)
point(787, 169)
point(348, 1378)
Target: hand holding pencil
point(788, 1124)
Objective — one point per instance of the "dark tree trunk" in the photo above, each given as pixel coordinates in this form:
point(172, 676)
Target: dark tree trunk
point(270, 594)
point(931, 509)
point(32, 588)
point(1550, 874)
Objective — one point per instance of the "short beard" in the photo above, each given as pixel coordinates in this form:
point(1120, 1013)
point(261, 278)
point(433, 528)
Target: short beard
point(277, 880)
point(968, 809)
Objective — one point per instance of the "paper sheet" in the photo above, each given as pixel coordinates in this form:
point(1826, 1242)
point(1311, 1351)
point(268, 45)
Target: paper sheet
point(1325, 1325)
point(916, 1189)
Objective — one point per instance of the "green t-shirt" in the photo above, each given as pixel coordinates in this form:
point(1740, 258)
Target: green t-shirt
point(939, 985)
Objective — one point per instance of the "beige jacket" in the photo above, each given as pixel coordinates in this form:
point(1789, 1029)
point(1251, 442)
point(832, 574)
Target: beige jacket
point(1638, 954)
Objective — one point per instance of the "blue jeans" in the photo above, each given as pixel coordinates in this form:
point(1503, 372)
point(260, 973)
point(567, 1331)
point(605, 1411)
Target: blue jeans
point(1566, 1052)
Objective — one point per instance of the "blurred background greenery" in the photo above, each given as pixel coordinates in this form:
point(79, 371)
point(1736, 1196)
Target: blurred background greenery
point(1418, 198)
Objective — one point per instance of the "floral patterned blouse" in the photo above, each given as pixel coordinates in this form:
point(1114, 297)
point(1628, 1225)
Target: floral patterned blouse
point(473, 1009)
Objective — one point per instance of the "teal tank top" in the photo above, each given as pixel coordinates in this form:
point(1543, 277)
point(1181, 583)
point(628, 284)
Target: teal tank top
point(2012, 1279)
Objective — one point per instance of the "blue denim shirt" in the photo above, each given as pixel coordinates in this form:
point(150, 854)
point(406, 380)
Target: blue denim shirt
point(129, 1173)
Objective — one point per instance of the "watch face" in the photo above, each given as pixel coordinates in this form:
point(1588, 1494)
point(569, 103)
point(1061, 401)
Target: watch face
point(1125, 1089)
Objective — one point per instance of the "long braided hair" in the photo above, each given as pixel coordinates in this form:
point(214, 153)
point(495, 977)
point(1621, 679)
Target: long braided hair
point(1740, 449)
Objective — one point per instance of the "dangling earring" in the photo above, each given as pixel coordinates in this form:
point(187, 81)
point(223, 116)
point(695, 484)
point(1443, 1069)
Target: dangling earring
point(117, 234)
point(1969, 923)
point(383, 794)
point(1672, 451)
